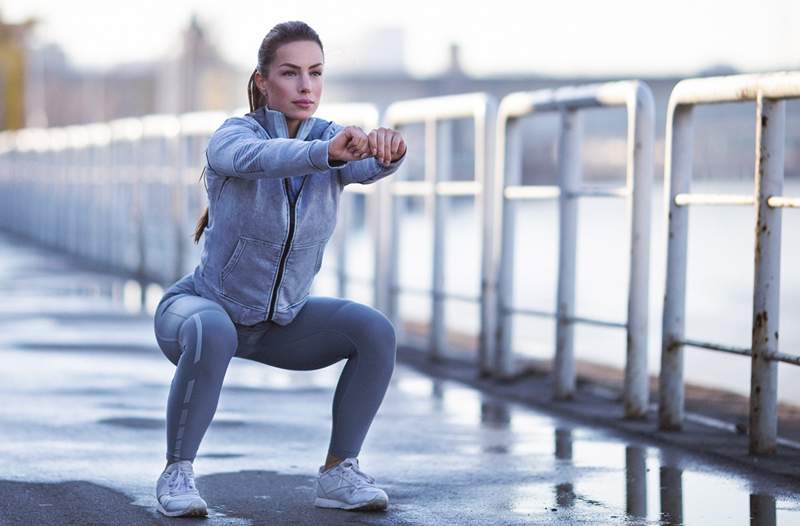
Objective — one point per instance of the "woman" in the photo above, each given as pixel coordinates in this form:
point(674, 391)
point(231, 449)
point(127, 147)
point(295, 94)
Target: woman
point(274, 177)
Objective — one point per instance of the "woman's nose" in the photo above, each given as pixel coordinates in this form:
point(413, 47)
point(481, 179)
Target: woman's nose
point(305, 83)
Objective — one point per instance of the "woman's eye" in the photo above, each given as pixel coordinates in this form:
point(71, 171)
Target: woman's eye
point(288, 72)
point(317, 73)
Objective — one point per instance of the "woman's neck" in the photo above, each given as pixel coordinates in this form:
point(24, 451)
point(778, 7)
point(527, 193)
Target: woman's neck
point(292, 125)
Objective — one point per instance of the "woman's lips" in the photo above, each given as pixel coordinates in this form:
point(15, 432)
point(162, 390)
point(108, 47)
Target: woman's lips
point(303, 104)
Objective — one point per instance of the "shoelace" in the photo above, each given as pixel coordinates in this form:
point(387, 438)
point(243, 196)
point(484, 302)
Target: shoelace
point(353, 464)
point(181, 480)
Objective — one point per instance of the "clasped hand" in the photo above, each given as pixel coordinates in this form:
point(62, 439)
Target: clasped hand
point(352, 144)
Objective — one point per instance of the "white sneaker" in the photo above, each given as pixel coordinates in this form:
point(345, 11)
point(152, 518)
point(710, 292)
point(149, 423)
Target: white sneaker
point(176, 493)
point(347, 487)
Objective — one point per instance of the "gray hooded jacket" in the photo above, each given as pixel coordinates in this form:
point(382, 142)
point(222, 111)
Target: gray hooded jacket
point(261, 249)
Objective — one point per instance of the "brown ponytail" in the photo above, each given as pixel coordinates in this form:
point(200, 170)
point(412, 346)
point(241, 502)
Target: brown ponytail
point(279, 35)
point(202, 221)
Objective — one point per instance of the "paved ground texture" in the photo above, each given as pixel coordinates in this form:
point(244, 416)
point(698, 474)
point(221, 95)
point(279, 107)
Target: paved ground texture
point(83, 389)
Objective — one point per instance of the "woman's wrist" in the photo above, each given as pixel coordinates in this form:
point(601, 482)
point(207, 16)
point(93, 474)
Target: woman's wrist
point(332, 160)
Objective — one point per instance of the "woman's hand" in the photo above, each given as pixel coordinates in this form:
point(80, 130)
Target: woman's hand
point(386, 145)
point(350, 144)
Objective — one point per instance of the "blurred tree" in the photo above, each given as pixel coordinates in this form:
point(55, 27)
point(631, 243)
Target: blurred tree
point(12, 73)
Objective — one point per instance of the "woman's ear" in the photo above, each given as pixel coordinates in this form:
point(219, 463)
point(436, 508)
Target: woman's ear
point(261, 84)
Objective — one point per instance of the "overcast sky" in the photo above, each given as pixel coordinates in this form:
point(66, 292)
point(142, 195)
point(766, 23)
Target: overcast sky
point(573, 37)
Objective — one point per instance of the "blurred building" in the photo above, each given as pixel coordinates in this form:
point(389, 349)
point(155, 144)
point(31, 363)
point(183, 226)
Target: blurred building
point(194, 76)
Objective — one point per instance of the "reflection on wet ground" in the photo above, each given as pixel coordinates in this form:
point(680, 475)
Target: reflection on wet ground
point(82, 437)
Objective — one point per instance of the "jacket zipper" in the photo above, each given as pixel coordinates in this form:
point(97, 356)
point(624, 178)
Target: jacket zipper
point(286, 247)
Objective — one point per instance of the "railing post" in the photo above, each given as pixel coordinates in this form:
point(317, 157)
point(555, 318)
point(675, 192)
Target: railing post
point(508, 172)
point(678, 174)
point(347, 200)
point(176, 171)
point(569, 175)
point(639, 179)
point(485, 143)
point(770, 126)
point(438, 150)
point(387, 213)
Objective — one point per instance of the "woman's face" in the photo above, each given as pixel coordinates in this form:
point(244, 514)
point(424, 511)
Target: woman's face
point(293, 84)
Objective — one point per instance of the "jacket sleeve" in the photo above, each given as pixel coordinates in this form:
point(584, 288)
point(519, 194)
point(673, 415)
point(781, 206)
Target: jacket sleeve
point(366, 171)
point(235, 149)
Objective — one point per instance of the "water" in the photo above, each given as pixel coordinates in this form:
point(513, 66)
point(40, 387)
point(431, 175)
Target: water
point(719, 280)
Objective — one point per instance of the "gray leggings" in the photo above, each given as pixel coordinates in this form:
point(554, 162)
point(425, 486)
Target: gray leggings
point(198, 336)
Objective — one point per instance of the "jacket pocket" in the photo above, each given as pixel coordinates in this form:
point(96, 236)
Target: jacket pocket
point(247, 276)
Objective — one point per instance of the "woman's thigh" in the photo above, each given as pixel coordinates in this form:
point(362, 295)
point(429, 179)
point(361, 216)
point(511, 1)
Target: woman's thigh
point(170, 316)
point(325, 331)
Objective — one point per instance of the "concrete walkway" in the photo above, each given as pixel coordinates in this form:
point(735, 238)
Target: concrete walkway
point(83, 389)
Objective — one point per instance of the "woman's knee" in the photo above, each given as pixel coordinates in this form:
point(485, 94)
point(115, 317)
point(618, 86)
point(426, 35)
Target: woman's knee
point(193, 322)
point(369, 327)
point(209, 333)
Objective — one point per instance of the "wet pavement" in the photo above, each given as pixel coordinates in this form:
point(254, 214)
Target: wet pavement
point(83, 389)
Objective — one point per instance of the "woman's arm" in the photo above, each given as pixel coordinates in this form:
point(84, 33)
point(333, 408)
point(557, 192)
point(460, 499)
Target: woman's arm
point(237, 150)
point(367, 171)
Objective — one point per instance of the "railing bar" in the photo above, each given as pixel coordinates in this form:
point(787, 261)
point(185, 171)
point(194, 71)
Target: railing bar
point(783, 357)
point(600, 323)
point(531, 192)
point(714, 199)
point(600, 192)
point(458, 188)
point(442, 187)
point(783, 202)
point(743, 351)
point(574, 319)
point(506, 310)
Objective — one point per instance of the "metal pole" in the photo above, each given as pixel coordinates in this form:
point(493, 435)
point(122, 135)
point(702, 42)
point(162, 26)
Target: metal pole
point(678, 174)
point(508, 173)
point(438, 146)
point(347, 201)
point(770, 127)
point(641, 134)
point(178, 203)
point(485, 140)
point(569, 164)
point(387, 216)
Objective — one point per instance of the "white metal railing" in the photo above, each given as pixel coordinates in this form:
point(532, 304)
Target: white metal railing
point(436, 113)
point(87, 190)
point(637, 98)
point(768, 92)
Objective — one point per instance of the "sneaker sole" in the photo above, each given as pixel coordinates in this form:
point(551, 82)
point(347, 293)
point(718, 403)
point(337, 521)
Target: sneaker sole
point(189, 512)
point(374, 504)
